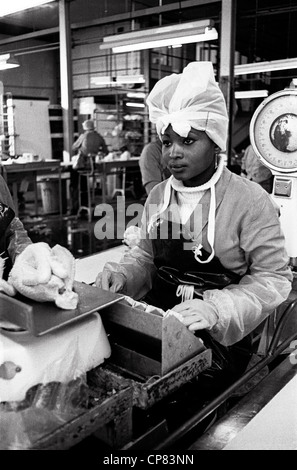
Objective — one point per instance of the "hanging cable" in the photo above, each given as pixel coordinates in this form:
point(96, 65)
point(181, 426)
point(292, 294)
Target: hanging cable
point(180, 12)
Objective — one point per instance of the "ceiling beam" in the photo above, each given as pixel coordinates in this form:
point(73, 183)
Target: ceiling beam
point(113, 19)
point(33, 35)
point(145, 12)
point(281, 9)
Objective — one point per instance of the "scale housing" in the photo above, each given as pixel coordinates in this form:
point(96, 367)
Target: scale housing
point(273, 135)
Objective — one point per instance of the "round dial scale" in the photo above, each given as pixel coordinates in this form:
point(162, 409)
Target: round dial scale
point(273, 131)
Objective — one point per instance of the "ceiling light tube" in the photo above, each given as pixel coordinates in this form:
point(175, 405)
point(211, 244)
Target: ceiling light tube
point(135, 105)
point(8, 61)
point(4, 57)
point(13, 6)
point(130, 79)
point(139, 95)
point(184, 33)
point(117, 80)
point(100, 81)
point(251, 94)
point(268, 66)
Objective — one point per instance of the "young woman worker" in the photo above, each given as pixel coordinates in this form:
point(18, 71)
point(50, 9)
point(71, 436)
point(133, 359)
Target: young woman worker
point(211, 245)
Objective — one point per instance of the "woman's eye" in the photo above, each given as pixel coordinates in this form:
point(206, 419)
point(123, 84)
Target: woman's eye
point(188, 141)
point(166, 143)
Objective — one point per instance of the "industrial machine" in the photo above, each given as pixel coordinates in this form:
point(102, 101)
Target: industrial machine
point(129, 358)
point(273, 134)
point(41, 343)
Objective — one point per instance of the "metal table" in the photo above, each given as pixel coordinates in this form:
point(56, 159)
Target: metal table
point(14, 173)
point(113, 167)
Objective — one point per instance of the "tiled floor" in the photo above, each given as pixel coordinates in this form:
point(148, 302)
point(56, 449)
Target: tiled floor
point(76, 233)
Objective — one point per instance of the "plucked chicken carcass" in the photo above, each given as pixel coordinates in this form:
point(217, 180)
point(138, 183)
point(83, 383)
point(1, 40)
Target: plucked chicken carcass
point(43, 274)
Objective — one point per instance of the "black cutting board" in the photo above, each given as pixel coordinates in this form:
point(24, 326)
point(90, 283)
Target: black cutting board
point(40, 318)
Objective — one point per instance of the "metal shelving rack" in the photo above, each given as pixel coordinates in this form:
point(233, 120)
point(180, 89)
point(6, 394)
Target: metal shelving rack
point(8, 143)
point(120, 126)
point(56, 127)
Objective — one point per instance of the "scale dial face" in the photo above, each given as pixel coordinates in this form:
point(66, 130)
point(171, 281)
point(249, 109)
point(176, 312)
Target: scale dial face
point(273, 131)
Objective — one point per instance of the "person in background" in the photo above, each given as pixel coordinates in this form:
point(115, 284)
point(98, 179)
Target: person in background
point(211, 248)
point(89, 143)
point(153, 170)
point(253, 169)
point(152, 167)
point(24, 186)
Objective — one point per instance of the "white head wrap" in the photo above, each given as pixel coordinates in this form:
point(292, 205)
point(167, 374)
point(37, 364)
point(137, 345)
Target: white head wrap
point(190, 99)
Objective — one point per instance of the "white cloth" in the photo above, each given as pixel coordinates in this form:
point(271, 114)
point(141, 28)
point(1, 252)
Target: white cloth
point(190, 99)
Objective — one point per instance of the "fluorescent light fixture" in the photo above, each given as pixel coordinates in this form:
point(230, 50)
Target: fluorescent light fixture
point(135, 105)
point(139, 95)
point(101, 81)
point(8, 61)
point(268, 66)
point(130, 79)
point(13, 6)
point(184, 33)
point(239, 95)
point(117, 80)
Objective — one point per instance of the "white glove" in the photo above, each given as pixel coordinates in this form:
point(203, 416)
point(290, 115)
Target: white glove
point(197, 314)
point(110, 280)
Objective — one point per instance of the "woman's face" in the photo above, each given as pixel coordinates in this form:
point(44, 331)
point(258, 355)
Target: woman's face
point(190, 159)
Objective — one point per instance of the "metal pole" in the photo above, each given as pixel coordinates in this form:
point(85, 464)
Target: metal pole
point(66, 77)
point(226, 75)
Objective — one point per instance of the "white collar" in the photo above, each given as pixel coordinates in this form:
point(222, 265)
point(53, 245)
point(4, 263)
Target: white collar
point(179, 185)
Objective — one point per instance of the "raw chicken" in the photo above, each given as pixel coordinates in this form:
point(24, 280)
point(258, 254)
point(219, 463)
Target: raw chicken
point(44, 274)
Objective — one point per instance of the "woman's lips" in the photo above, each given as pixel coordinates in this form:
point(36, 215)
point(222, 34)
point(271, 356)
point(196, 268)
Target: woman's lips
point(177, 168)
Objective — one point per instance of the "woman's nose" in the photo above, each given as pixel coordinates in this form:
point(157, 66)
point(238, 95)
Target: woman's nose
point(175, 151)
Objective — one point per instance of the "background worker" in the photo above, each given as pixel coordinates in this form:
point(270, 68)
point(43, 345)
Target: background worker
point(253, 169)
point(152, 167)
point(153, 170)
point(90, 142)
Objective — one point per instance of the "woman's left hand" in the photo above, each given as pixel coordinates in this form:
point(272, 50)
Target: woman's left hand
point(197, 314)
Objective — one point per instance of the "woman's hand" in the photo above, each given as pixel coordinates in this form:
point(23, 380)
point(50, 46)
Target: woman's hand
point(109, 280)
point(197, 314)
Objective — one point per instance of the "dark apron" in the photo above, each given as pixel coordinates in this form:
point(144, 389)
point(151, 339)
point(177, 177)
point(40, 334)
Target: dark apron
point(6, 216)
point(176, 265)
